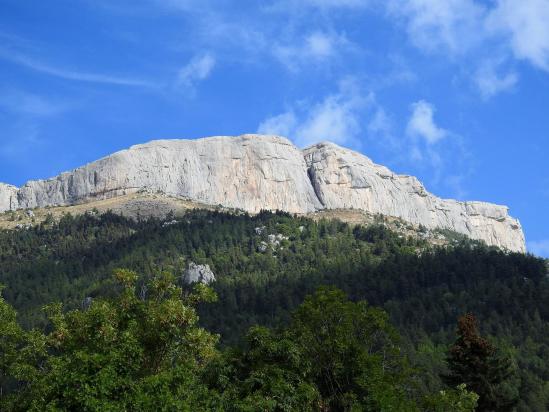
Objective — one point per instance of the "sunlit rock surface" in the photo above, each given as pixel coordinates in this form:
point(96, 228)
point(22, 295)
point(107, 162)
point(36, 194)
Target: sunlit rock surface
point(254, 172)
point(344, 179)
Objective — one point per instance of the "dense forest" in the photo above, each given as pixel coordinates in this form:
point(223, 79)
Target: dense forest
point(265, 267)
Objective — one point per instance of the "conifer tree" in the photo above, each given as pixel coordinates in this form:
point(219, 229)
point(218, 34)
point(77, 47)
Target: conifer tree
point(478, 364)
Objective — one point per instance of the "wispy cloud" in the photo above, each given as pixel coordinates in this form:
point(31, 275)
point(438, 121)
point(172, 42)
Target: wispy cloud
point(457, 26)
point(491, 82)
point(283, 124)
point(437, 149)
point(434, 25)
point(337, 118)
point(68, 74)
point(422, 124)
point(198, 69)
point(316, 47)
point(483, 31)
point(525, 24)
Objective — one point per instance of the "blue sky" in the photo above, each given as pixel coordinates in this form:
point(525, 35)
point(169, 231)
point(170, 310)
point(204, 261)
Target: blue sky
point(455, 92)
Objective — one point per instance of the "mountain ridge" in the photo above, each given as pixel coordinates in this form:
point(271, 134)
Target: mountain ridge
point(255, 172)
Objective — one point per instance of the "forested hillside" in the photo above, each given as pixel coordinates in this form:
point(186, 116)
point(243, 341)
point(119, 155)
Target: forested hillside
point(266, 264)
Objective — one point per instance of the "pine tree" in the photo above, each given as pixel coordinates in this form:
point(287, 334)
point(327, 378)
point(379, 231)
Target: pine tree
point(475, 362)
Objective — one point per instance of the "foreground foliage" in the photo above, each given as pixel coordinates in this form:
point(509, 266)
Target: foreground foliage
point(423, 289)
point(129, 353)
point(143, 350)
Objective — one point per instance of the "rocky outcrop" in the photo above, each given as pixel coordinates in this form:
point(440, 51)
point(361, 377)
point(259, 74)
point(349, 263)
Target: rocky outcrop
point(198, 274)
point(252, 172)
point(243, 172)
point(8, 197)
point(344, 179)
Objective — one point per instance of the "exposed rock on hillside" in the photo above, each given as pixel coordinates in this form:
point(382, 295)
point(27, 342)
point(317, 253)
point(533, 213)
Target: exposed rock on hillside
point(252, 172)
point(8, 197)
point(245, 172)
point(344, 179)
point(198, 274)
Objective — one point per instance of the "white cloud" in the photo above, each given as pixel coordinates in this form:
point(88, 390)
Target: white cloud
point(519, 27)
point(490, 82)
point(68, 74)
point(526, 23)
point(337, 118)
point(334, 119)
point(447, 164)
point(320, 45)
point(352, 117)
point(421, 123)
point(433, 24)
point(539, 247)
point(199, 68)
point(316, 47)
point(282, 125)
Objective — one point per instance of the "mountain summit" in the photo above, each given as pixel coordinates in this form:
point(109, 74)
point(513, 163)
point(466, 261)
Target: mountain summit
point(255, 172)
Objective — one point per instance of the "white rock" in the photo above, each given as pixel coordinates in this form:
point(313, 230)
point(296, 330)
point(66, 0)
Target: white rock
point(344, 179)
point(244, 172)
point(198, 273)
point(262, 247)
point(252, 173)
point(8, 197)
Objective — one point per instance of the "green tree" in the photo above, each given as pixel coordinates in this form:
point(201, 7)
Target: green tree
point(336, 355)
point(475, 362)
point(353, 352)
point(11, 337)
point(269, 374)
point(451, 400)
point(21, 355)
point(136, 351)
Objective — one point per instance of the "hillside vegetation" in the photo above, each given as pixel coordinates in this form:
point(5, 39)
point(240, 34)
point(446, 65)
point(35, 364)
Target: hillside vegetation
point(265, 266)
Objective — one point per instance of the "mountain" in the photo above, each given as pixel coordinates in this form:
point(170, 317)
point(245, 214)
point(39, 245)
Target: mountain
point(254, 172)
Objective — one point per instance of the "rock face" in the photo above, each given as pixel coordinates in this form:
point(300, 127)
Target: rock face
point(244, 172)
point(8, 197)
point(198, 274)
point(344, 179)
point(252, 172)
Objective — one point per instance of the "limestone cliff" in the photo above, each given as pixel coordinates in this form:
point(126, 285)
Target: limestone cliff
point(252, 172)
point(344, 179)
point(244, 172)
point(8, 197)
